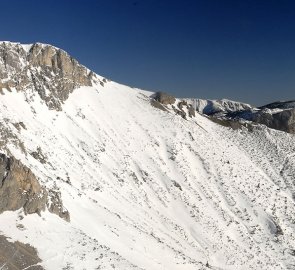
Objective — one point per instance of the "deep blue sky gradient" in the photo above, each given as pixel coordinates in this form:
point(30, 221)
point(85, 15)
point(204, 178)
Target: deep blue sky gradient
point(240, 49)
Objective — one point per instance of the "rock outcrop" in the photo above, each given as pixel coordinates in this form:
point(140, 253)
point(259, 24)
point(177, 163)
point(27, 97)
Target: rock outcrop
point(160, 100)
point(55, 205)
point(18, 256)
point(282, 120)
point(280, 117)
point(19, 188)
point(277, 115)
point(290, 104)
point(47, 70)
point(164, 98)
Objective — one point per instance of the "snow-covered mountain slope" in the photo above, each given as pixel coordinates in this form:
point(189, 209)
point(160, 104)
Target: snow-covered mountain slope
point(278, 115)
point(280, 105)
point(147, 189)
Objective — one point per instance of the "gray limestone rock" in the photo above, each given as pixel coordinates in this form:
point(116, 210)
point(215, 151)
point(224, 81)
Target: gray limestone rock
point(160, 100)
point(158, 105)
point(49, 71)
point(164, 98)
point(18, 256)
point(278, 115)
point(191, 111)
point(283, 120)
point(19, 188)
point(55, 205)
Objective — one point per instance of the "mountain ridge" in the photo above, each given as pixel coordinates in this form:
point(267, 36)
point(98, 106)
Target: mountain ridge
point(148, 188)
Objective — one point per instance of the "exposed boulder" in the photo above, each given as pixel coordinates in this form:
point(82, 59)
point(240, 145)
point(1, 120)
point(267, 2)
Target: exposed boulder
point(164, 98)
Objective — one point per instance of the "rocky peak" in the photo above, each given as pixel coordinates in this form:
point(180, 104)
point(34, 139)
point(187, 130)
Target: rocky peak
point(41, 68)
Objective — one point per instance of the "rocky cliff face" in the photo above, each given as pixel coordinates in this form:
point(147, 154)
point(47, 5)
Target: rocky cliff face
point(19, 188)
point(45, 69)
point(283, 120)
point(18, 256)
point(277, 115)
point(275, 118)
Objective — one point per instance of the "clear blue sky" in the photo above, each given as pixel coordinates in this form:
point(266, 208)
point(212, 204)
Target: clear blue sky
point(240, 49)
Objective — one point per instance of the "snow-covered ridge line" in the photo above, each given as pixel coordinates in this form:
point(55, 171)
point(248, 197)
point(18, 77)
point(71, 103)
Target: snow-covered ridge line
point(208, 107)
point(51, 72)
point(145, 188)
point(28, 46)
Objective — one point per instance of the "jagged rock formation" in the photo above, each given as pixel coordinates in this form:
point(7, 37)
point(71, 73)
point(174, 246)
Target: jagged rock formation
point(182, 105)
point(283, 120)
point(45, 69)
point(280, 119)
point(19, 188)
point(277, 115)
point(55, 205)
point(162, 101)
point(18, 256)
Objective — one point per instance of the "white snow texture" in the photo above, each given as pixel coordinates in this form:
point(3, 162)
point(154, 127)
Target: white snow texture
point(147, 189)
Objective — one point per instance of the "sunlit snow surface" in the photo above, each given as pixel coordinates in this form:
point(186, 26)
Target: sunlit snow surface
point(147, 189)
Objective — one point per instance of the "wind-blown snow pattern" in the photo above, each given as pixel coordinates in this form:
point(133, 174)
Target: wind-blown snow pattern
point(147, 189)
